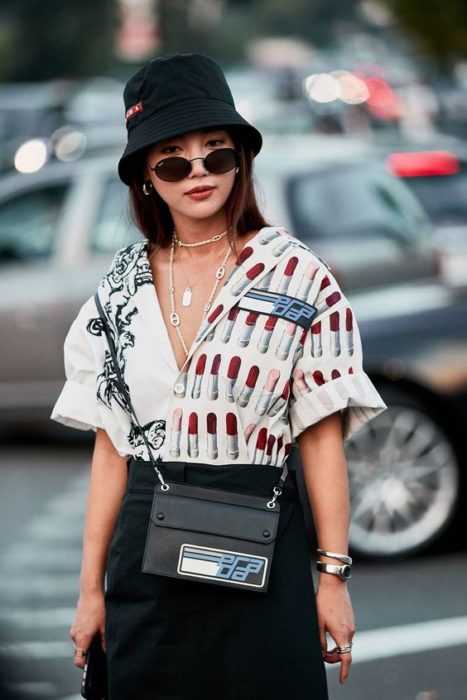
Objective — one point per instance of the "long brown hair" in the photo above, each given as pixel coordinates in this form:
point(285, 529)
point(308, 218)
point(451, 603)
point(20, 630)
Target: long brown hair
point(152, 216)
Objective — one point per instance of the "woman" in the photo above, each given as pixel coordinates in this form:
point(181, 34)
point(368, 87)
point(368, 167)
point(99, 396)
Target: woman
point(234, 340)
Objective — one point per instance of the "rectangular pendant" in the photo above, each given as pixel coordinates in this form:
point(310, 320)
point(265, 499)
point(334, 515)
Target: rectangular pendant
point(186, 299)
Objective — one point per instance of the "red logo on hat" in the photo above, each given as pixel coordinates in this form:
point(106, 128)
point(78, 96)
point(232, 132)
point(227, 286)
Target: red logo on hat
point(133, 110)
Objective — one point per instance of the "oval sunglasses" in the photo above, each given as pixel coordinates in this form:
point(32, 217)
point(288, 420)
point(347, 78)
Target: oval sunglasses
point(176, 168)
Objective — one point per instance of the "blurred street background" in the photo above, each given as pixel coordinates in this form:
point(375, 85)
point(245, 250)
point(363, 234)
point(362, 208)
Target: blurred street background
point(363, 108)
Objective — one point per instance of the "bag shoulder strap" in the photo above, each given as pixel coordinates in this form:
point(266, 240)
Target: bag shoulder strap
point(122, 385)
point(277, 490)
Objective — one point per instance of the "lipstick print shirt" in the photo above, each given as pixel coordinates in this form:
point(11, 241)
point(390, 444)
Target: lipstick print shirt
point(279, 351)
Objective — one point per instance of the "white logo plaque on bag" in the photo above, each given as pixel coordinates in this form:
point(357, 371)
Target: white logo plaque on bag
point(222, 565)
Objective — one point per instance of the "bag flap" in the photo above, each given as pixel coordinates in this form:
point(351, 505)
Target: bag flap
point(207, 510)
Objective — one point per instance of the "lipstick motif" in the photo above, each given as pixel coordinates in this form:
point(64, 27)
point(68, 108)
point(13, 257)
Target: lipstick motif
point(269, 448)
point(265, 398)
point(287, 275)
point(245, 280)
point(232, 374)
point(307, 281)
point(213, 381)
point(215, 313)
point(210, 319)
point(193, 447)
point(249, 386)
point(335, 374)
point(232, 435)
point(316, 345)
point(284, 416)
point(318, 377)
point(248, 329)
point(280, 247)
point(299, 349)
point(349, 330)
point(210, 335)
point(244, 255)
point(279, 443)
point(248, 431)
point(229, 324)
point(326, 400)
point(265, 282)
point(334, 323)
point(283, 350)
point(322, 395)
point(329, 301)
point(275, 406)
point(211, 421)
point(356, 381)
point(268, 236)
point(260, 446)
point(300, 381)
point(200, 366)
point(175, 433)
point(265, 337)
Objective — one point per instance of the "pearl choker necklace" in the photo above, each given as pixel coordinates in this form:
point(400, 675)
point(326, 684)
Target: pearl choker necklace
point(214, 239)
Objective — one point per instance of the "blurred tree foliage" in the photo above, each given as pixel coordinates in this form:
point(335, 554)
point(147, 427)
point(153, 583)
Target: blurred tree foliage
point(47, 39)
point(439, 27)
point(314, 20)
point(244, 20)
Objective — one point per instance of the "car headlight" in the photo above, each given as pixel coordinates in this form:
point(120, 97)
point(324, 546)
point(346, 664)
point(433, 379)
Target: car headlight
point(32, 155)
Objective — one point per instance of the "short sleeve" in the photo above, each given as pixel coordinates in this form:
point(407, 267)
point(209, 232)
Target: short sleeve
point(328, 374)
point(77, 406)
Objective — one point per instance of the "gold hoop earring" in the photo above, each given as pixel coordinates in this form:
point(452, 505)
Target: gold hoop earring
point(147, 187)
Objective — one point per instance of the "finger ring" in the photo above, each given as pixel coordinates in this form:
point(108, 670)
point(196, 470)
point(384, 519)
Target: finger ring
point(79, 651)
point(346, 649)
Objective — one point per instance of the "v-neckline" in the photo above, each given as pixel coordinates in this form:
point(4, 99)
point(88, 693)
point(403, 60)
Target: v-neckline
point(171, 353)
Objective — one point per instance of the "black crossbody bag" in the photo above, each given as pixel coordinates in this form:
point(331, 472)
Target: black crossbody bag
point(205, 534)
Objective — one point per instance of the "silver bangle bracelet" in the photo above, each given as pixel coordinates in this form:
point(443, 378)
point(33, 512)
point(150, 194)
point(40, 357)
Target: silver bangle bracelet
point(344, 558)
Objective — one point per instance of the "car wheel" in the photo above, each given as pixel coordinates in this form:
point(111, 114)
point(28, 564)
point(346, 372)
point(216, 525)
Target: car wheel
point(404, 481)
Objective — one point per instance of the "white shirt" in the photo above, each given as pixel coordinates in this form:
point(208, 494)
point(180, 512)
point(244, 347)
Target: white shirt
point(279, 351)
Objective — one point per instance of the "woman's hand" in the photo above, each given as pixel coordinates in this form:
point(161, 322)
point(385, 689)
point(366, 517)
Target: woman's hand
point(107, 485)
point(89, 620)
point(335, 616)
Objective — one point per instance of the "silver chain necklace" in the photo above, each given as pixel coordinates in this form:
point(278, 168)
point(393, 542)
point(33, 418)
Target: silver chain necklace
point(188, 292)
point(174, 317)
point(214, 239)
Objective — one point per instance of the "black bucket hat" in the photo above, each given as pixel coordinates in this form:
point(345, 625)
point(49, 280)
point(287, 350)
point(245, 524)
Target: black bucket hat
point(175, 94)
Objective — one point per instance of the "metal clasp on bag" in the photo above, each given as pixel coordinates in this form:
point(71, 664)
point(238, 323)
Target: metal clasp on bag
point(164, 485)
point(277, 491)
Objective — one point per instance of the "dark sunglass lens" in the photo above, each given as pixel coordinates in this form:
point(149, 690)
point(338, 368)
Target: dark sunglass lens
point(221, 161)
point(173, 169)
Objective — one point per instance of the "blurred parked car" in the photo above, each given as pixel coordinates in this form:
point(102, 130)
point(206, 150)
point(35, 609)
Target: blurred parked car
point(337, 195)
point(407, 466)
point(60, 227)
point(436, 172)
point(29, 111)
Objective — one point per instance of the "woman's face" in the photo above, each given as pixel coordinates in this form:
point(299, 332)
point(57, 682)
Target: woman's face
point(184, 204)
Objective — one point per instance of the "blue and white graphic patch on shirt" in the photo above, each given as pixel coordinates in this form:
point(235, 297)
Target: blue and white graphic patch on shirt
point(279, 305)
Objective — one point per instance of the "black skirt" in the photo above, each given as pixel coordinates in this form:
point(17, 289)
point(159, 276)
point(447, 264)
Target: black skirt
point(170, 639)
